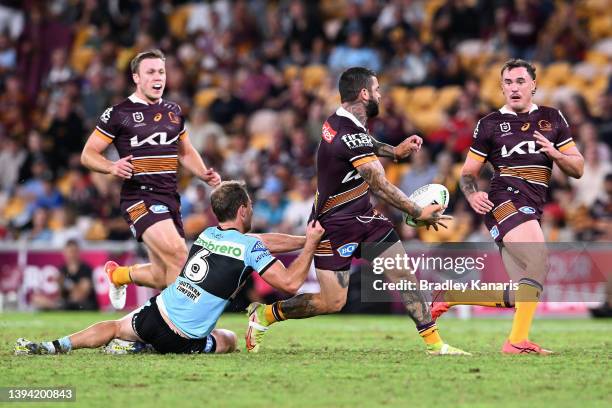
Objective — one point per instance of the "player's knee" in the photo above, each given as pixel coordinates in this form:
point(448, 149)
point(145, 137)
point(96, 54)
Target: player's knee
point(227, 341)
point(335, 305)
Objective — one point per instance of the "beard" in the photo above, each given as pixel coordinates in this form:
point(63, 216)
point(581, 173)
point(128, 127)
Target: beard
point(371, 108)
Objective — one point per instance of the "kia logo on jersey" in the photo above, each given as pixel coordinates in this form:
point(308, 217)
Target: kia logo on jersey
point(518, 149)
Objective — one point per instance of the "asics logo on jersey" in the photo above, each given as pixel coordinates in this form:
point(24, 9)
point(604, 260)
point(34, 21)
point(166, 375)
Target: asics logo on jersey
point(157, 138)
point(519, 149)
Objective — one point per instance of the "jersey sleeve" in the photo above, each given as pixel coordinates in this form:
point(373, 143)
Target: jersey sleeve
point(356, 146)
point(183, 131)
point(480, 143)
point(564, 138)
point(106, 127)
point(259, 257)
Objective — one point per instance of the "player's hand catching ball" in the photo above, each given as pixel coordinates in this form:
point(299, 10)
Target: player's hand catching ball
point(480, 202)
point(122, 168)
point(211, 177)
point(546, 145)
point(432, 216)
point(408, 146)
point(314, 232)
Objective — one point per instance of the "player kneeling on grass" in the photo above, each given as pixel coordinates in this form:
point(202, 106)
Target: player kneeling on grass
point(182, 318)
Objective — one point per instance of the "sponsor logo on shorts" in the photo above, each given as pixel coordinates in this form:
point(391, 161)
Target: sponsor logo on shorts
point(494, 232)
point(527, 210)
point(158, 209)
point(347, 250)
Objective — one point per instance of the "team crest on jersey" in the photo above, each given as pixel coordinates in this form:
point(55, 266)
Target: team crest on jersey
point(106, 115)
point(347, 250)
point(494, 232)
point(504, 126)
point(545, 126)
point(157, 117)
point(259, 246)
point(328, 133)
point(138, 117)
point(525, 126)
point(527, 210)
point(158, 209)
point(173, 118)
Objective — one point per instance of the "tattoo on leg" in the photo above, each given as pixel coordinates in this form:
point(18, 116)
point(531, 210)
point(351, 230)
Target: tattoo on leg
point(301, 306)
point(343, 278)
point(417, 306)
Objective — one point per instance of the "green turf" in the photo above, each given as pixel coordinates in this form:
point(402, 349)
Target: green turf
point(332, 361)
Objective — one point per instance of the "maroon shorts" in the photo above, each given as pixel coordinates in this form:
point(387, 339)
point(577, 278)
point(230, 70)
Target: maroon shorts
point(509, 211)
point(147, 208)
point(344, 237)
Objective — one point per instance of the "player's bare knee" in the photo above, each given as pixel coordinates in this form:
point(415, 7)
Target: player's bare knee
point(227, 341)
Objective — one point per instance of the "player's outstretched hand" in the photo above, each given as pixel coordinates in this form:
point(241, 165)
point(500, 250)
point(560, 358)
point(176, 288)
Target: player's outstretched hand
point(546, 145)
point(123, 167)
point(480, 202)
point(433, 217)
point(314, 232)
point(410, 145)
point(211, 177)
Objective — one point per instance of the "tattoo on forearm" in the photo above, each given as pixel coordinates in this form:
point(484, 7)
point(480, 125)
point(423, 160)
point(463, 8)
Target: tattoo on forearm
point(374, 175)
point(382, 149)
point(343, 278)
point(417, 306)
point(301, 306)
point(468, 184)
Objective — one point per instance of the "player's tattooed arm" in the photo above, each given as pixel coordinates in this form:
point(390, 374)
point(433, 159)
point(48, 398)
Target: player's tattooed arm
point(374, 174)
point(382, 149)
point(468, 184)
point(279, 243)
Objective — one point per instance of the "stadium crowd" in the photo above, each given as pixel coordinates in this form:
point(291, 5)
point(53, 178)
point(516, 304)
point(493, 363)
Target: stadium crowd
point(256, 79)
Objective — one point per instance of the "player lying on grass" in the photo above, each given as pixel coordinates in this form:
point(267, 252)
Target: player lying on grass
point(182, 318)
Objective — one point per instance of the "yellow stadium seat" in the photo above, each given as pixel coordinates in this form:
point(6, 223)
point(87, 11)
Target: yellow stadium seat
point(427, 120)
point(205, 97)
point(596, 58)
point(313, 76)
point(261, 141)
point(558, 72)
point(291, 72)
point(177, 21)
point(423, 96)
point(400, 95)
point(447, 96)
point(80, 58)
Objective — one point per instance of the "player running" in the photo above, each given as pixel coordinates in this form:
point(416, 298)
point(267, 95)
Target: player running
point(348, 170)
point(150, 137)
point(182, 318)
point(522, 141)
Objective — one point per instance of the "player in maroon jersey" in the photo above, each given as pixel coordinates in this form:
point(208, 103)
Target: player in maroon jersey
point(522, 141)
point(150, 137)
point(348, 170)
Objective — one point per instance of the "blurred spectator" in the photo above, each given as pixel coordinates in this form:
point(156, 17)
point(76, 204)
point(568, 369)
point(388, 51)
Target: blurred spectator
point(523, 23)
point(300, 205)
point(65, 133)
point(12, 157)
point(40, 231)
point(353, 53)
point(601, 212)
point(8, 54)
point(269, 209)
point(76, 281)
point(421, 172)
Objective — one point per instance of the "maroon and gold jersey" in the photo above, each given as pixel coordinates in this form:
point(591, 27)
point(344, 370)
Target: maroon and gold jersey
point(345, 145)
point(150, 133)
point(505, 139)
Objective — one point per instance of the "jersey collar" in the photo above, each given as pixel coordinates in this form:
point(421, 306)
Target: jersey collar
point(134, 99)
point(505, 110)
point(343, 112)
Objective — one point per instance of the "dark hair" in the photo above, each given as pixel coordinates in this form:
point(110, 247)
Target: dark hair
point(352, 81)
point(519, 63)
point(150, 54)
point(72, 242)
point(227, 198)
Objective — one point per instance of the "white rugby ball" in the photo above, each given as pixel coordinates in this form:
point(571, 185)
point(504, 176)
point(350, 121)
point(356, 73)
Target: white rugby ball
point(426, 195)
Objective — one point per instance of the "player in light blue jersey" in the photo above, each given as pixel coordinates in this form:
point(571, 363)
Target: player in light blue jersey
point(182, 318)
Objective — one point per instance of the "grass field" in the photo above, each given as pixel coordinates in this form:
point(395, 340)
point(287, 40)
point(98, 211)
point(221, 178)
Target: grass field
point(332, 361)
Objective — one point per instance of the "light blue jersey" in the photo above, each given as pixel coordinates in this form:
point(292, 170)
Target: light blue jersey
point(219, 263)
